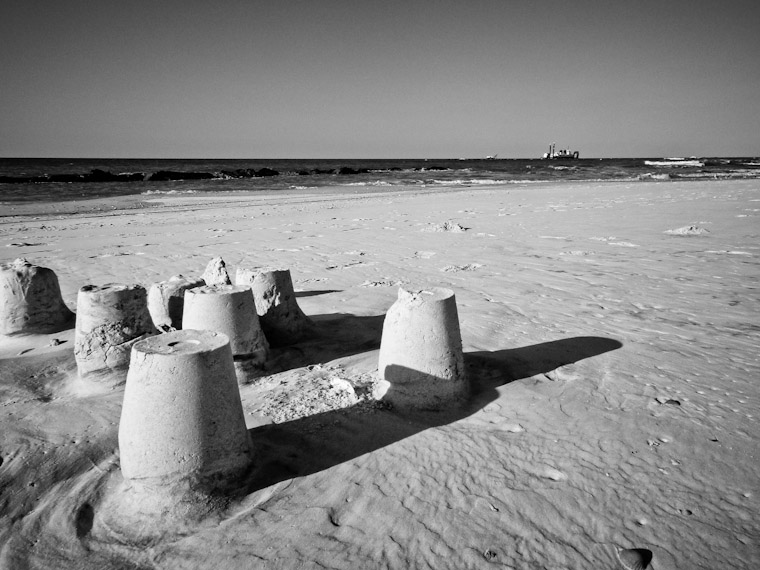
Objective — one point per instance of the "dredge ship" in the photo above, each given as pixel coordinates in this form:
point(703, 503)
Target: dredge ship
point(563, 153)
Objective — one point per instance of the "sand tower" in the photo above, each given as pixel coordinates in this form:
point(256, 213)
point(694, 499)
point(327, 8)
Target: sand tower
point(229, 309)
point(281, 318)
point(166, 301)
point(421, 363)
point(182, 419)
point(110, 319)
point(30, 300)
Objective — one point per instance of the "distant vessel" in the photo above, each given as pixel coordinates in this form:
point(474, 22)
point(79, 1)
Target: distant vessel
point(563, 153)
point(491, 156)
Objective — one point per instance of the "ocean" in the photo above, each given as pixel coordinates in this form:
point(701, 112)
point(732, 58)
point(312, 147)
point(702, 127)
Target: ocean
point(64, 179)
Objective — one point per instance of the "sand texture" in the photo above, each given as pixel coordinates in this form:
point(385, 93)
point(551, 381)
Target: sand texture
point(611, 336)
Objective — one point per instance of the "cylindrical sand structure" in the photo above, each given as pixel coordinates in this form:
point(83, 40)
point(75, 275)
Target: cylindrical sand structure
point(281, 318)
point(166, 301)
point(421, 363)
point(182, 418)
point(110, 319)
point(228, 309)
point(30, 300)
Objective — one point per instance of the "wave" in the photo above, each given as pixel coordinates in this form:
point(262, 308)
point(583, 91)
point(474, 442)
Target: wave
point(670, 162)
point(173, 191)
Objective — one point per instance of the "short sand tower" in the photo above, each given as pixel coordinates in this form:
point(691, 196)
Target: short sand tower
point(110, 319)
point(281, 318)
point(30, 300)
point(421, 363)
point(166, 301)
point(229, 309)
point(182, 420)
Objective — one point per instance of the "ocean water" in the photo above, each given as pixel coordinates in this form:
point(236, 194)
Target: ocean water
point(57, 179)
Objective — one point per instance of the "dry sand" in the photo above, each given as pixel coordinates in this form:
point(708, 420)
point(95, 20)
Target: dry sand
point(611, 335)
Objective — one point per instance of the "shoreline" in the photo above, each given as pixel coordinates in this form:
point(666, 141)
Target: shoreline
point(118, 204)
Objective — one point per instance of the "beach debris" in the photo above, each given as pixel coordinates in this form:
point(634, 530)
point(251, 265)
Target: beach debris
point(667, 401)
point(55, 342)
point(110, 319)
point(229, 309)
point(421, 363)
point(166, 301)
point(688, 231)
point(447, 226)
point(182, 418)
point(281, 318)
point(216, 273)
point(634, 558)
point(490, 555)
point(30, 300)
point(458, 268)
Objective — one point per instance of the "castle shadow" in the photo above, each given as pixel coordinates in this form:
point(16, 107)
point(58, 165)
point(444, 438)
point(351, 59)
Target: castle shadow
point(314, 293)
point(331, 336)
point(311, 444)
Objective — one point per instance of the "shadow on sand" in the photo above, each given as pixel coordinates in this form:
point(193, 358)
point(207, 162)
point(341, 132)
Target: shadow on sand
point(331, 337)
point(311, 444)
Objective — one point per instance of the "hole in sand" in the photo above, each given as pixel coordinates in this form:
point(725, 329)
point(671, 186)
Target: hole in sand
point(84, 520)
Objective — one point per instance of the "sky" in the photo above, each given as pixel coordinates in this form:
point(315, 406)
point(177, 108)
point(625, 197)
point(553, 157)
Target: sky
point(372, 79)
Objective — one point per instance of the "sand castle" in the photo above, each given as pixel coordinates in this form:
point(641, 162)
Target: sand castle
point(30, 299)
point(281, 318)
point(182, 417)
point(229, 309)
point(421, 363)
point(166, 301)
point(110, 319)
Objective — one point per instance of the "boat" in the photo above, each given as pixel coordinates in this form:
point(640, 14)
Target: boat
point(563, 153)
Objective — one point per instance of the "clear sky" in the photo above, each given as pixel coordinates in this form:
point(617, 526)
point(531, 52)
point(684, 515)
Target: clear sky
point(385, 79)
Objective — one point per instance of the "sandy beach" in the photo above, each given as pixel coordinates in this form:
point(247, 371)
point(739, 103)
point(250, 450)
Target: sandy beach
point(610, 333)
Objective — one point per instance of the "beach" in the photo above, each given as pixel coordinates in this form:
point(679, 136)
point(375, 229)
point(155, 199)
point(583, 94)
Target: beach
point(610, 334)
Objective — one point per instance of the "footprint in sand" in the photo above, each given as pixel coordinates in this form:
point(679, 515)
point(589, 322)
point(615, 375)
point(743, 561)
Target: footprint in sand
point(634, 558)
point(424, 254)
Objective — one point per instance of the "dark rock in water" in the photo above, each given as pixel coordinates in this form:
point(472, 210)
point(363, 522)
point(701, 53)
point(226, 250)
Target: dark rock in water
point(163, 175)
point(18, 179)
point(65, 178)
point(266, 172)
point(97, 175)
point(239, 173)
